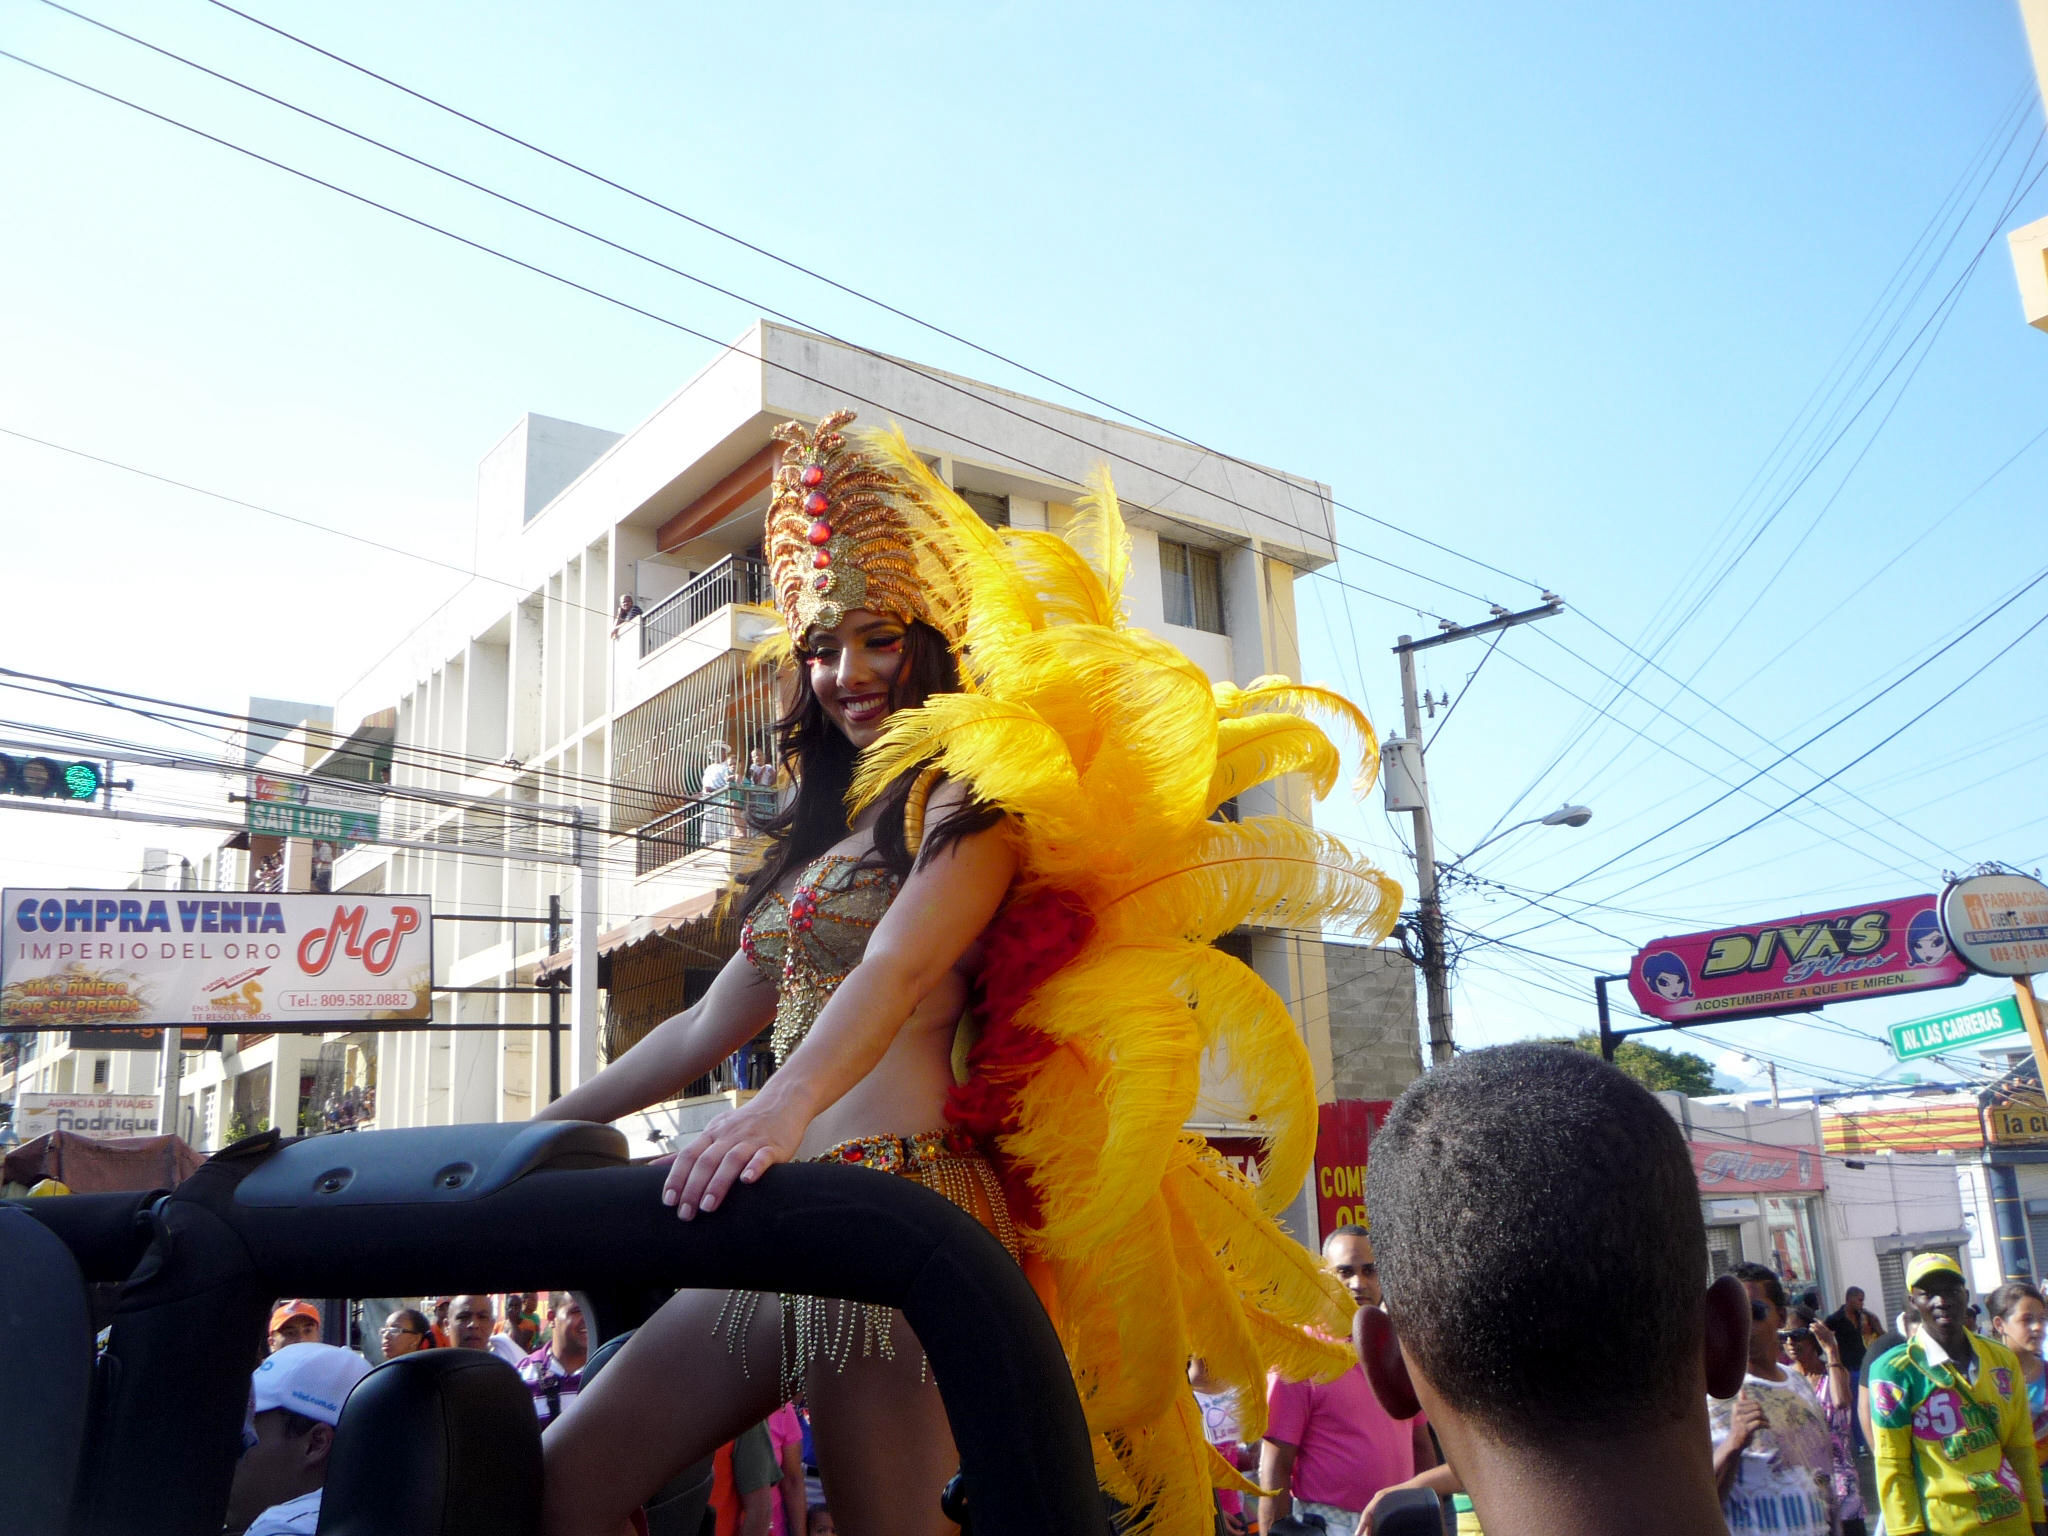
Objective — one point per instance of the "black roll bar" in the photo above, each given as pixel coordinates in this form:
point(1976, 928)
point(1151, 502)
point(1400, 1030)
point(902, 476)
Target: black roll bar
point(499, 1207)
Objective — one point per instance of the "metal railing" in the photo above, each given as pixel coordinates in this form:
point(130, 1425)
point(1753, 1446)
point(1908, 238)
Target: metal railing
point(735, 579)
point(703, 823)
point(747, 1070)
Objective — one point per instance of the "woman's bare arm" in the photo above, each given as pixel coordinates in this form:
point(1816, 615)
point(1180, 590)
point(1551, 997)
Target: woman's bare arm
point(941, 910)
point(675, 1052)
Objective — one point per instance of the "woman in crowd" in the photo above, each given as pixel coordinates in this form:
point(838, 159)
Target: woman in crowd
point(2019, 1318)
point(404, 1331)
point(1004, 794)
point(1812, 1348)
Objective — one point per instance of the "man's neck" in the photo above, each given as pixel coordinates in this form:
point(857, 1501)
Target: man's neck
point(1955, 1343)
point(1770, 1368)
point(1661, 1480)
point(569, 1361)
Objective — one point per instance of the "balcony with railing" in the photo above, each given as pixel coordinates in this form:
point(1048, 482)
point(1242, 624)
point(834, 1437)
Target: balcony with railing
point(735, 580)
point(706, 821)
point(722, 613)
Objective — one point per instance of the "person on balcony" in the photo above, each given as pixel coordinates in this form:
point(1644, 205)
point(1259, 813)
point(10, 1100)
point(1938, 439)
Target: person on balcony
point(717, 790)
point(629, 610)
point(1033, 838)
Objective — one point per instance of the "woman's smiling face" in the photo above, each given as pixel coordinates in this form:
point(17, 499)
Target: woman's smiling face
point(853, 668)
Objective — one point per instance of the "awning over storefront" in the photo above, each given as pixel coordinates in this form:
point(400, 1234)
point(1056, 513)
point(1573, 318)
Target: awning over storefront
point(695, 926)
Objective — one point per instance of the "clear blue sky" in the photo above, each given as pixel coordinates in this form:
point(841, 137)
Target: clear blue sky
point(1546, 286)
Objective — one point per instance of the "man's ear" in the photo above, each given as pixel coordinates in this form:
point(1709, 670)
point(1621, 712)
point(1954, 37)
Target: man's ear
point(1379, 1351)
point(1727, 1341)
point(319, 1443)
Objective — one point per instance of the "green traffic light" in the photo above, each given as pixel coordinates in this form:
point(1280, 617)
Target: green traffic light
point(81, 781)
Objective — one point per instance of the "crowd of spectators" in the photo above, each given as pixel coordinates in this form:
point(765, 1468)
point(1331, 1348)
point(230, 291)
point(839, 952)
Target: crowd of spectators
point(1545, 1365)
point(765, 1484)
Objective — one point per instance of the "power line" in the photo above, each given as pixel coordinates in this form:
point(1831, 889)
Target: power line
point(846, 288)
point(1465, 688)
point(1826, 730)
point(614, 245)
point(1693, 727)
point(1885, 741)
point(939, 379)
point(1837, 370)
point(728, 347)
point(1718, 777)
point(303, 522)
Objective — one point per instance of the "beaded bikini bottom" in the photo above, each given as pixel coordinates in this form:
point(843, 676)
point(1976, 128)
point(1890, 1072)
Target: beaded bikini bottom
point(822, 1330)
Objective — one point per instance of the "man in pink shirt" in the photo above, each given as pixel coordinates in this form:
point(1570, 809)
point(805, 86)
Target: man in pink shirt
point(1331, 1445)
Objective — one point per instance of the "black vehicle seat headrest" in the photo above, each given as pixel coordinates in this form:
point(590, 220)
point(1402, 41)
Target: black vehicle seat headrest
point(440, 1442)
point(46, 1340)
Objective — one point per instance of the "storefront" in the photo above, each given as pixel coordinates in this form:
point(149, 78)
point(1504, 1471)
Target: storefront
point(1762, 1205)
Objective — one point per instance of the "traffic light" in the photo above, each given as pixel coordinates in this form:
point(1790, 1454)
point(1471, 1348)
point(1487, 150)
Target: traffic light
point(49, 778)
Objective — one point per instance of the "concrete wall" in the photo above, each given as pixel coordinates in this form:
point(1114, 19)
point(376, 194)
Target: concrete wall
point(1895, 1202)
point(1375, 1045)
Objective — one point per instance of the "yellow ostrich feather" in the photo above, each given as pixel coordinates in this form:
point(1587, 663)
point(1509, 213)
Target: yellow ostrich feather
point(1308, 699)
point(1112, 751)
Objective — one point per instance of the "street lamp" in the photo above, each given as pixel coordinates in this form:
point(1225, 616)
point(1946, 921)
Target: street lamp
point(1563, 816)
point(1435, 965)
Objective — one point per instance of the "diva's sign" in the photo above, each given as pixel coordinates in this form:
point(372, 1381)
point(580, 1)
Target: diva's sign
point(1798, 962)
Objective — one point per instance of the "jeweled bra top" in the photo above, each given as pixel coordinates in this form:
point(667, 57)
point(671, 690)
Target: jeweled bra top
point(808, 944)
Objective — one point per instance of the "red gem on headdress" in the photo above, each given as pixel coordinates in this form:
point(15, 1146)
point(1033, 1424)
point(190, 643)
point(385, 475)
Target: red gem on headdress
point(822, 581)
point(855, 1153)
point(814, 474)
point(820, 531)
point(816, 503)
point(821, 558)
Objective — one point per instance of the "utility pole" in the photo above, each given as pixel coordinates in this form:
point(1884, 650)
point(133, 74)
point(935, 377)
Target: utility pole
point(1435, 967)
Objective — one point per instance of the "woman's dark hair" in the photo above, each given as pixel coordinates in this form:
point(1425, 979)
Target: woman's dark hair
point(822, 761)
point(2000, 1303)
point(416, 1321)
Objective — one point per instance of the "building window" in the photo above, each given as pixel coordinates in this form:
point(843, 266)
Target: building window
point(99, 1071)
point(1192, 579)
point(994, 510)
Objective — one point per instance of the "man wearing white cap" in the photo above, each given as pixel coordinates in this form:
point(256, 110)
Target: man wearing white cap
point(1953, 1435)
point(295, 1401)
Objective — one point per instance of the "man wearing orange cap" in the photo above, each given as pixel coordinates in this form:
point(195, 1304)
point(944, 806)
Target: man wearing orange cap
point(1954, 1438)
point(294, 1322)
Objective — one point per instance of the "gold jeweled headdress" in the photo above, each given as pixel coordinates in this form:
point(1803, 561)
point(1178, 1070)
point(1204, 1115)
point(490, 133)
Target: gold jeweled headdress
point(837, 535)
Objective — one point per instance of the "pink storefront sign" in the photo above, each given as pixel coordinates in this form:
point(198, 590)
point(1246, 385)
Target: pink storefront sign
point(1728, 1168)
point(1871, 950)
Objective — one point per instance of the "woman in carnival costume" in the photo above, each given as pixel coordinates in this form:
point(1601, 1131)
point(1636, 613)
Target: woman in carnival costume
point(982, 939)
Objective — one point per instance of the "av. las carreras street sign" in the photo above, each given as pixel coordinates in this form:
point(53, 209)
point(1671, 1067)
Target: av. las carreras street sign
point(134, 959)
point(1796, 962)
point(1963, 1026)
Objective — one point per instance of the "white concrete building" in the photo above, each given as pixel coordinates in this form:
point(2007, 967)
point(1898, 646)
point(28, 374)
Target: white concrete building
point(522, 691)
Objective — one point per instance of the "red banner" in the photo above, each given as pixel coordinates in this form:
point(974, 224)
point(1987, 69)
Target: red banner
point(1344, 1132)
point(1800, 962)
point(1729, 1168)
point(1247, 1154)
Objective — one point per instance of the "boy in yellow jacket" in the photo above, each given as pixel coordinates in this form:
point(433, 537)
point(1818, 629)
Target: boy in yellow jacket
point(1955, 1439)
